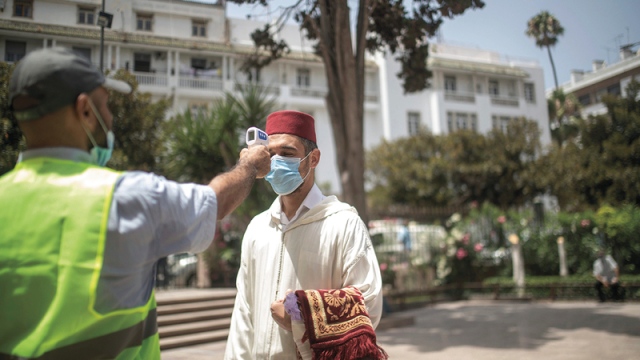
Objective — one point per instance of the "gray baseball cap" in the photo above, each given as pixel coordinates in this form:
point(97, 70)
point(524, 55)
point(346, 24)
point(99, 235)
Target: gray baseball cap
point(53, 78)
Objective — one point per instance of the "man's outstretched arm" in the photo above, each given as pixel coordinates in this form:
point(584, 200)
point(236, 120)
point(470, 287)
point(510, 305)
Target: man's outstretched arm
point(233, 186)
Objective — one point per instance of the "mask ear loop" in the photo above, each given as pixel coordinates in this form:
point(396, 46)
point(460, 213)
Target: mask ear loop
point(308, 172)
point(86, 129)
point(99, 117)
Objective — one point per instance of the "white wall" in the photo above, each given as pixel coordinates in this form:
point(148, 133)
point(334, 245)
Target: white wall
point(394, 104)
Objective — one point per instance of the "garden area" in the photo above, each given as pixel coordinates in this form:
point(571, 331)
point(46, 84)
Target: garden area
point(471, 255)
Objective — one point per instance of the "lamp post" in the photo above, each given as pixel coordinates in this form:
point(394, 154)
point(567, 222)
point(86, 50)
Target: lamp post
point(104, 20)
point(101, 40)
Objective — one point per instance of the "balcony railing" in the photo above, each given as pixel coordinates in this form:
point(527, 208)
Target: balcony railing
point(309, 92)
point(504, 100)
point(273, 90)
point(371, 97)
point(201, 83)
point(151, 79)
point(460, 96)
point(322, 92)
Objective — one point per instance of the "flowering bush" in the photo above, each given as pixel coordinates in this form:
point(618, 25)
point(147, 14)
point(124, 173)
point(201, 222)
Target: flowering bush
point(462, 255)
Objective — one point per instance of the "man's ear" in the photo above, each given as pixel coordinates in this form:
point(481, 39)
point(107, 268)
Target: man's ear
point(83, 111)
point(315, 158)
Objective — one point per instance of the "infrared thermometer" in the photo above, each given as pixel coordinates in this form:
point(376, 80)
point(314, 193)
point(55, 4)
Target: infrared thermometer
point(256, 136)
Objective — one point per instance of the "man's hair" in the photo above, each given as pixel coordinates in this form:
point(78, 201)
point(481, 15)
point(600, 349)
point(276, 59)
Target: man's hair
point(309, 145)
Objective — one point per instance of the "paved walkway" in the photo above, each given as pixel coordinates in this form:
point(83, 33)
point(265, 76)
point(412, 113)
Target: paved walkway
point(483, 330)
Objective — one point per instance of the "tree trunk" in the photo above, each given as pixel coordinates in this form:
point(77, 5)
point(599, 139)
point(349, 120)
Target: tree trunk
point(553, 67)
point(345, 97)
point(202, 272)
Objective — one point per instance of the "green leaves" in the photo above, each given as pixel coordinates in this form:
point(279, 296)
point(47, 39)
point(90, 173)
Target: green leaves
point(544, 28)
point(137, 126)
point(201, 145)
point(449, 170)
point(11, 139)
point(602, 164)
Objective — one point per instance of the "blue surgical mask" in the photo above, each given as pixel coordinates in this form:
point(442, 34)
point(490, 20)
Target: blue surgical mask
point(284, 176)
point(99, 154)
point(102, 155)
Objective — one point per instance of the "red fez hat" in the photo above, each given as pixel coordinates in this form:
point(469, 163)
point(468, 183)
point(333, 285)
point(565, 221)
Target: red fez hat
point(291, 122)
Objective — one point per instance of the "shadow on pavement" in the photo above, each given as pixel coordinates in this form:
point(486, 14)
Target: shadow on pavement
point(509, 325)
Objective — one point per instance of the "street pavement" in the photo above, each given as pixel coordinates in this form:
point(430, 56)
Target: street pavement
point(483, 330)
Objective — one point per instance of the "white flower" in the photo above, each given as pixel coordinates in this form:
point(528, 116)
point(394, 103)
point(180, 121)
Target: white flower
point(455, 218)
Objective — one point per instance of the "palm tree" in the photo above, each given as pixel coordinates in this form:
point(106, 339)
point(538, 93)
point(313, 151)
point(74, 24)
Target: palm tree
point(545, 29)
point(202, 144)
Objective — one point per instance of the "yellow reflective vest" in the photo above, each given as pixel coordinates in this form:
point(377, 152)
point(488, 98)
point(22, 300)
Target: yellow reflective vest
point(53, 226)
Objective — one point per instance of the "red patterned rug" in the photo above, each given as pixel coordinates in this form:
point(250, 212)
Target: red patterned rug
point(337, 324)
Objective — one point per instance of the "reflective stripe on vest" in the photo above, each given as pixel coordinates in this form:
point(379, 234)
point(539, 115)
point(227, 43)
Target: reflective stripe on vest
point(55, 216)
point(102, 347)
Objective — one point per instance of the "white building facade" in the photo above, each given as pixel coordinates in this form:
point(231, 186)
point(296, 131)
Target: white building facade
point(191, 52)
point(470, 89)
point(590, 86)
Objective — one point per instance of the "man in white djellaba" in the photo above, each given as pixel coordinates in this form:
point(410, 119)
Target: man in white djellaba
point(305, 240)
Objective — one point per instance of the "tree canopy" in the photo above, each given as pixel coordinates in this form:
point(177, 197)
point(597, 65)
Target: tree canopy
point(457, 168)
point(137, 126)
point(602, 164)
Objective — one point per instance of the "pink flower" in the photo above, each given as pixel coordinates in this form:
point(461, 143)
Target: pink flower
point(461, 253)
point(465, 239)
point(383, 266)
point(585, 222)
point(502, 219)
point(226, 226)
point(478, 247)
point(474, 204)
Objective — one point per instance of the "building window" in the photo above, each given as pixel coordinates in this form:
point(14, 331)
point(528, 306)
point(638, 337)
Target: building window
point(413, 123)
point(198, 109)
point(529, 93)
point(23, 8)
point(198, 63)
point(84, 52)
point(584, 100)
point(494, 88)
point(500, 122)
point(303, 78)
point(86, 16)
point(463, 121)
point(511, 88)
point(614, 89)
point(199, 28)
point(141, 62)
point(450, 83)
point(14, 50)
point(144, 22)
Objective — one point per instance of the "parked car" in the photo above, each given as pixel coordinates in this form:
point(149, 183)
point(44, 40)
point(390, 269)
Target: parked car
point(182, 270)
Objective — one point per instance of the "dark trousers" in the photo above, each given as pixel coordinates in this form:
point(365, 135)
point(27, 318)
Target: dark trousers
point(615, 291)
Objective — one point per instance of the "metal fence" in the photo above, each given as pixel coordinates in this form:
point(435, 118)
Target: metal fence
point(404, 251)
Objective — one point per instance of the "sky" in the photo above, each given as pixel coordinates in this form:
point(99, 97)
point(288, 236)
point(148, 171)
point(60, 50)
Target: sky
point(593, 30)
